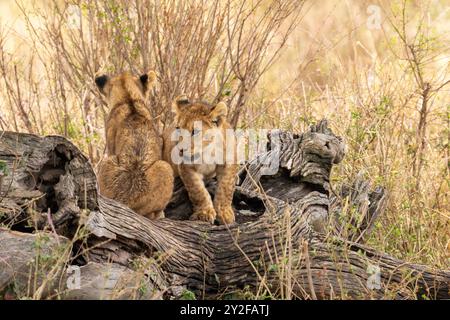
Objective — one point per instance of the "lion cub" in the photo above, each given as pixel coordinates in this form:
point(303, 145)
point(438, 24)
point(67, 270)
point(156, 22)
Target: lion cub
point(132, 171)
point(199, 119)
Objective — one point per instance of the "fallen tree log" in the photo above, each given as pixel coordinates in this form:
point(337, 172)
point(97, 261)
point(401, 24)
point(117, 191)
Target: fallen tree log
point(26, 260)
point(36, 265)
point(287, 241)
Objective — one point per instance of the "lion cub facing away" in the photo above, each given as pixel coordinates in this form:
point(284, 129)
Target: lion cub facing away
point(133, 172)
point(212, 119)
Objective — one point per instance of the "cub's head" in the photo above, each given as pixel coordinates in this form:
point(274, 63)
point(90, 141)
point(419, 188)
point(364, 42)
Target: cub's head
point(190, 113)
point(125, 87)
point(204, 123)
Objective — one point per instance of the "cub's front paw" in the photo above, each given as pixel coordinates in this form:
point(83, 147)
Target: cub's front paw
point(155, 215)
point(225, 214)
point(207, 215)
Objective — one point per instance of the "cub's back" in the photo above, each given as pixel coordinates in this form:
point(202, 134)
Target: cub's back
point(134, 136)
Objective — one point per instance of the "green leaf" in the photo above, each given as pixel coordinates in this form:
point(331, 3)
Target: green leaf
point(187, 295)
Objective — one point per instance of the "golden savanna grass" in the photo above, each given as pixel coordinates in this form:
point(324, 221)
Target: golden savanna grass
point(378, 70)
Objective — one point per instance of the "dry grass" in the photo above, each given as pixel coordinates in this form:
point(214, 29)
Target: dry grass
point(366, 83)
point(385, 91)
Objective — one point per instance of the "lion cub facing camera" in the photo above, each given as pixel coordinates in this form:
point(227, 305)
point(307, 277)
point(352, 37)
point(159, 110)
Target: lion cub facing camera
point(132, 171)
point(198, 119)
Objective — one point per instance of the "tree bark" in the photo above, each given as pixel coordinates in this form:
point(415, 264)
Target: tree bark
point(287, 239)
point(25, 262)
point(35, 265)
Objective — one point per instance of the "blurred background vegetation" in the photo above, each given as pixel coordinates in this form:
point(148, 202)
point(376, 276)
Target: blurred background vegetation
point(378, 70)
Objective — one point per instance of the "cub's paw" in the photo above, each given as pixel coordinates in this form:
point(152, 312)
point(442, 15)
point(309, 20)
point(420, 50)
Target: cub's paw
point(155, 215)
point(159, 215)
point(207, 215)
point(225, 214)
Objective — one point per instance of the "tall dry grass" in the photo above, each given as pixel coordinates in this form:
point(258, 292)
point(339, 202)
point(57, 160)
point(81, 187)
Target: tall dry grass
point(386, 91)
point(279, 64)
point(207, 50)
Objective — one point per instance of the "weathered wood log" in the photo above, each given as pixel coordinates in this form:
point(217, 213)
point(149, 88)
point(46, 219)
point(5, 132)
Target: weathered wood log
point(28, 263)
point(103, 281)
point(364, 204)
point(280, 242)
point(36, 265)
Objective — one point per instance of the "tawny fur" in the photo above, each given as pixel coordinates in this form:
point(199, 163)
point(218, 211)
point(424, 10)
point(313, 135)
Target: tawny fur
point(195, 175)
point(132, 171)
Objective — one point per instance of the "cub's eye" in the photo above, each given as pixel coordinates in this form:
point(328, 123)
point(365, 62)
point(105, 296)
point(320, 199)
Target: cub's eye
point(195, 132)
point(215, 122)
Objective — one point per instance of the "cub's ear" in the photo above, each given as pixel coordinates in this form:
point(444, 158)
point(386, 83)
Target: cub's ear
point(147, 79)
point(180, 102)
point(219, 111)
point(101, 81)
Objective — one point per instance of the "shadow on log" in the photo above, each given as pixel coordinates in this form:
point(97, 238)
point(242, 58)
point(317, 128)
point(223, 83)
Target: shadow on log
point(287, 240)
